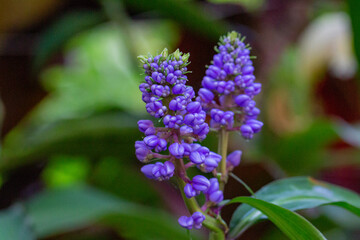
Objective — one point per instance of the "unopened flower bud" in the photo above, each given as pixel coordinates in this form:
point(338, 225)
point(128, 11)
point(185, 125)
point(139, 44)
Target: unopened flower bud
point(177, 150)
point(186, 222)
point(200, 183)
point(234, 158)
point(189, 191)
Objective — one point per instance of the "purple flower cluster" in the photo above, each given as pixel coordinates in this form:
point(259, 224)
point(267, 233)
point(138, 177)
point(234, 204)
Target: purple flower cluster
point(183, 123)
point(194, 220)
point(171, 147)
point(168, 97)
point(183, 118)
point(229, 88)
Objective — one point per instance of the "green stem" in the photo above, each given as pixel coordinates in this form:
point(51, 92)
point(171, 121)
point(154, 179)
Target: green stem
point(243, 183)
point(216, 236)
point(210, 223)
point(189, 234)
point(190, 203)
point(222, 150)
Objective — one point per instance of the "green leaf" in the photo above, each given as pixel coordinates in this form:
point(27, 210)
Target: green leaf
point(2, 114)
point(66, 170)
point(91, 82)
point(108, 134)
point(291, 224)
point(354, 9)
point(251, 5)
point(350, 133)
point(14, 225)
point(301, 152)
point(295, 194)
point(189, 14)
point(109, 170)
point(62, 210)
point(60, 32)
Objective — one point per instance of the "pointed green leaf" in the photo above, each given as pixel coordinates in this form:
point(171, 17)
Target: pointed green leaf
point(57, 211)
point(14, 225)
point(294, 194)
point(354, 8)
point(56, 36)
point(291, 224)
point(108, 134)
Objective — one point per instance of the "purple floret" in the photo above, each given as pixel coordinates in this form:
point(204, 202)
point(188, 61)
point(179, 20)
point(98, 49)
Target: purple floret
point(186, 222)
point(233, 159)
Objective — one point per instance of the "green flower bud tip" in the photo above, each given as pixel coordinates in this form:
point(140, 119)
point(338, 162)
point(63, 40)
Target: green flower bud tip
point(165, 53)
point(233, 35)
point(177, 54)
point(142, 58)
point(185, 57)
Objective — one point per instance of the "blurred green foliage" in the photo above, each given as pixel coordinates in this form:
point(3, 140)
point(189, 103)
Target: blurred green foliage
point(250, 5)
point(13, 224)
point(65, 171)
point(83, 132)
point(353, 9)
point(86, 129)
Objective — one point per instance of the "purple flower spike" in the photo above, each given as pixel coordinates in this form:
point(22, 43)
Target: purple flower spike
point(234, 158)
point(229, 86)
point(198, 218)
point(177, 150)
point(186, 222)
point(189, 191)
point(200, 183)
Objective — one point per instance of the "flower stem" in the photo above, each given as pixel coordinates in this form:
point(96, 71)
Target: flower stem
point(210, 223)
point(222, 150)
point(216, 236)
point(243, 183)
point(190, 203)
